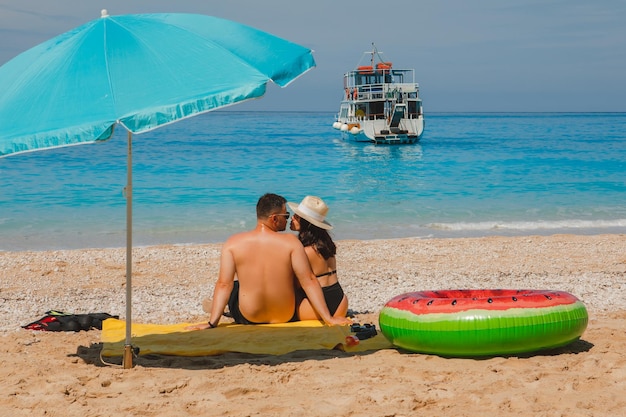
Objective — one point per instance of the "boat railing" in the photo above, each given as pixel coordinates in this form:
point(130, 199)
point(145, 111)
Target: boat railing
point(364, 95)
point(383, 91)
point(390, 95)
point(382, 116)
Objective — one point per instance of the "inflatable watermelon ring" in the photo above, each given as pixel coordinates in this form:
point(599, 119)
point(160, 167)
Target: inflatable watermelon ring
point(482, 322)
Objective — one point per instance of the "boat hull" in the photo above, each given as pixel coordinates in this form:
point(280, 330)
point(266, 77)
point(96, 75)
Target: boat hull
point(391, 139)
point(378, 131)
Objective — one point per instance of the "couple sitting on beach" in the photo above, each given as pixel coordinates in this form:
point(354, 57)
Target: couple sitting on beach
point(275, 279)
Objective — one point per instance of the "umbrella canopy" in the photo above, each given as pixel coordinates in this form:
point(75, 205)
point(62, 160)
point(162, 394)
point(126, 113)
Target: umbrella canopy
point(140, 71)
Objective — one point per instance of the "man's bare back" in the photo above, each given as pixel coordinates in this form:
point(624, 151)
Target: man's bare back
point(266, 277)
point(266, 265)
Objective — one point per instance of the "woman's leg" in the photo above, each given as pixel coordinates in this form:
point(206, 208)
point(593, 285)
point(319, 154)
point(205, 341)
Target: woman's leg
point(306, 311)
point(342, 310)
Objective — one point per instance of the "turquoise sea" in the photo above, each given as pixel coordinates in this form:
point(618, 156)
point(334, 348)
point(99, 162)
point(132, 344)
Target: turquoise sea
point(198, 180)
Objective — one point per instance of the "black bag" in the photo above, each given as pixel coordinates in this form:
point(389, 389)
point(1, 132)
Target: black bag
point(58, 321)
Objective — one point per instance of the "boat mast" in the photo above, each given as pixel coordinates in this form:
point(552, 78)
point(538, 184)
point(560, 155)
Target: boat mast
point(375, 53)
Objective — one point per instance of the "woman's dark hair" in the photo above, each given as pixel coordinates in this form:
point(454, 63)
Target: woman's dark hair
point(311, 235)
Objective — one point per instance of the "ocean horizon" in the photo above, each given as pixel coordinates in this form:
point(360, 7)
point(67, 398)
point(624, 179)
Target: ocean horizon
point(198, 180)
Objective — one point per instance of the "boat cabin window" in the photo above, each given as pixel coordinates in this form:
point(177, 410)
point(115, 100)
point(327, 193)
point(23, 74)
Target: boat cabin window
point(363, 79)
point(377, 109)
point(415, 108)
point(378, 77)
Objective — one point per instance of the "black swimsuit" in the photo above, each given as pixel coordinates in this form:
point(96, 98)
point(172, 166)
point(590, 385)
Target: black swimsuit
point(233, 306)
point(333, 294)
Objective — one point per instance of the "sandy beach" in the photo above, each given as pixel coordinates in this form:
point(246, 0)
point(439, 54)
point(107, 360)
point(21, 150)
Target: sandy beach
point(60, 374)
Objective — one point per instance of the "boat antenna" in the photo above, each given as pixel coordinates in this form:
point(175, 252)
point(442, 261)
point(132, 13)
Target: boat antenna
point(375, 52)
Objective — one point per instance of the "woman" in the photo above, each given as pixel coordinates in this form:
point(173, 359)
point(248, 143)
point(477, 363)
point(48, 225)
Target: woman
point(309, 221)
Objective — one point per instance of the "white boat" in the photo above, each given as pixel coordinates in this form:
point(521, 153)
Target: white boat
point(381, 104)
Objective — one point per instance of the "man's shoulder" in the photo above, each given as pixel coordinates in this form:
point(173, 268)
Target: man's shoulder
point(255, 236)
point(238, 237)
point(289, 236)
point(292, 240)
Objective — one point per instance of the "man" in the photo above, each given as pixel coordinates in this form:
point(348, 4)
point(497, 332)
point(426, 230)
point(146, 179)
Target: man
point(266, 264)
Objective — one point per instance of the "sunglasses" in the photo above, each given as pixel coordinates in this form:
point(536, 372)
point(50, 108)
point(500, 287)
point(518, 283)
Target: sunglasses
point(282, 214)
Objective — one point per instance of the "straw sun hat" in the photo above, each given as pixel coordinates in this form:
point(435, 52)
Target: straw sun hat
point(313, 209)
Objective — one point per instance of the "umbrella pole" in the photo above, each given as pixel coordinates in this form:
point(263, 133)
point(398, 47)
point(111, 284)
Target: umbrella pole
point(127, 360)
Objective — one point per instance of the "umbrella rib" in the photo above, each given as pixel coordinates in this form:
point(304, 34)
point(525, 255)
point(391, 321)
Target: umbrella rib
point(108, 70)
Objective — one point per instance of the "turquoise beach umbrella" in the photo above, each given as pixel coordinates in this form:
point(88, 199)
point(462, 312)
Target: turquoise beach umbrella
point(139, 71)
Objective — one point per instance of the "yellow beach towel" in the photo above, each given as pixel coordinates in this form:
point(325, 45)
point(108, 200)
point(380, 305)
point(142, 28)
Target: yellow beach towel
point(272, 339)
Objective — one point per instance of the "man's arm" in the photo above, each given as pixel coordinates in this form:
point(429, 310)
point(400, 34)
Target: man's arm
point(310, 285)
point(223, 286)
point(222, 290)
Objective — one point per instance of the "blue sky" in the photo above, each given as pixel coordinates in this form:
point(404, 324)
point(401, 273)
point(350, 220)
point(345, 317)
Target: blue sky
point(479, 55)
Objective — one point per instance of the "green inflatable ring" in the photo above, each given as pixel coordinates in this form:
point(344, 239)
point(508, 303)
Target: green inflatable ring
point(467, 323)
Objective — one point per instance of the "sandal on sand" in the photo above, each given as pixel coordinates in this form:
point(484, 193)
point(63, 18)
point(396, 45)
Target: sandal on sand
point(364, 331)
point(58, 321)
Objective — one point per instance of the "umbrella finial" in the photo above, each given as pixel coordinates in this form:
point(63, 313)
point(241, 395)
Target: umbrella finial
point(104, 13)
